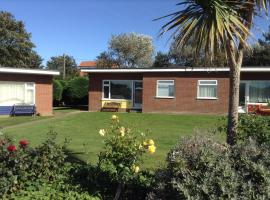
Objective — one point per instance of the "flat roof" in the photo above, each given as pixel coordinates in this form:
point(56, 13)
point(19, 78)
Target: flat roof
point(28, 71)
point(148, 70)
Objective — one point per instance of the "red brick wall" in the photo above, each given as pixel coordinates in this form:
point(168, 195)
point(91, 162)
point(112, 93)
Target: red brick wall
point(95, 86)
point(43, 87)
point(185, 100)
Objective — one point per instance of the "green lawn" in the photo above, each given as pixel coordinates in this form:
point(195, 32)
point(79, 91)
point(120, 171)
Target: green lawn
point(10, 121)
point(85, 142)
point(6, 121)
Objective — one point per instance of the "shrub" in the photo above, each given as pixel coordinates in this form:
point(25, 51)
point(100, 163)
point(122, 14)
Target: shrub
point(254, 126)
point(57, 92)
point(122, 154)
point(251, 126)
point(77, 91)
point(22, 167)
point(201, 168)
point(51, 191)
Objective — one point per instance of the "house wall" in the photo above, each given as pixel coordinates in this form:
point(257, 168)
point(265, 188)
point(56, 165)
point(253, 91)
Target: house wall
point(43, 90)
point(185, 100)
point(95, 87)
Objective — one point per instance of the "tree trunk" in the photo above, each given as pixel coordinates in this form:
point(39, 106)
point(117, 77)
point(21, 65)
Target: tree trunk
point(235, 69)
point(119, 191)
point(233, 104)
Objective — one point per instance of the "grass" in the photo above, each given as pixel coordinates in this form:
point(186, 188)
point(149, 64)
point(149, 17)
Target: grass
point(10, 121)
point(85, 142)
point(6, 121)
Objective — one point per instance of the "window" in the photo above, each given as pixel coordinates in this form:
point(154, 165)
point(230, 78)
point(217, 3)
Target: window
point(259, 91)
point(207, 89)
point(16, 93)
point(165, 88)
point(117, 89)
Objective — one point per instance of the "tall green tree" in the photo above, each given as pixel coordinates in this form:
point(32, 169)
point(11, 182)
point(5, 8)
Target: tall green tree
point(106, 60)
point(16, 47)
point(132, 50)
point(58, 63)
point(186, 57)
point(162, 60)
point(215, 26)
point(259, 54)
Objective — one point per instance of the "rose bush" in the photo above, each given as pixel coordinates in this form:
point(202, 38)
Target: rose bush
point(122, 153)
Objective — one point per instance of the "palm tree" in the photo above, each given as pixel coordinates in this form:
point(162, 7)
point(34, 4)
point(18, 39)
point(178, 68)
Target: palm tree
point(213, 26)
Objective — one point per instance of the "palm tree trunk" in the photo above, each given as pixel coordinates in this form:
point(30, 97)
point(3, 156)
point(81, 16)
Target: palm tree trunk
point(235, 63)
point(233, 104)
point(235, 69)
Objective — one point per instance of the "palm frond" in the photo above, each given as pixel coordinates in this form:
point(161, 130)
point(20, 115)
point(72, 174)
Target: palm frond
point(206, 24)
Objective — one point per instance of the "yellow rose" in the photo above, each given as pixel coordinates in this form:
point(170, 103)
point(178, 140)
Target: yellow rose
point(122, 131)
point(102, 132)
point(151, 142)
point(152, 149)
point(136, 169)
point(114, 117)
point(145, 143)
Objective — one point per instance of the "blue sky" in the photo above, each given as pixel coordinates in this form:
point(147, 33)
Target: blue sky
point(82, 28)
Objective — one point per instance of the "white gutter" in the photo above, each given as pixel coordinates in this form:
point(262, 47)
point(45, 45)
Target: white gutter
point(28, 71)
point(172, 70)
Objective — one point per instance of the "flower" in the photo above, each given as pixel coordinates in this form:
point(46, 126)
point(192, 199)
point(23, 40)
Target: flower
point(102, 132)
point(151, 142)
point(152, 149)
point(145, 143)
point(114, 117)
point(140, 146)
point(122, 131)
point(23, 143)
point(11, 148)
point(136, 169)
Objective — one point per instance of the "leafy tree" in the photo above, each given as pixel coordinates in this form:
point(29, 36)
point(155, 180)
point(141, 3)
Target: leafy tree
point(105, 60)
point(57, 63)
point(218, 26)
point(186, 57)
point(132, 50)
point(16, 47)
point(77, 91)
point(259, 54)
point(162, 60)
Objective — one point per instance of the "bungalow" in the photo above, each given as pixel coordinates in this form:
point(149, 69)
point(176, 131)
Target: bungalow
point(26, 86)
point(181, 90)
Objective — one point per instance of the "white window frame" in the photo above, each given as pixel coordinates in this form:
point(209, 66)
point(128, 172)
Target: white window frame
point(103, 84)
point(200, 83)
point(165, 97)
point(26, 87)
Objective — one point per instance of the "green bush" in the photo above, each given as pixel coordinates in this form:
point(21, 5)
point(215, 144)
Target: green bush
point(122, 154)
point(43, 172)
point(51, 191)
point(77, 91)
point(252, 126)
point(22, 166)
point(201, 168)
point(57, 91)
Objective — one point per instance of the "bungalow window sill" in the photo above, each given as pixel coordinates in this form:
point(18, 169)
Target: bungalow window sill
point(207, 98)
point(164, 97)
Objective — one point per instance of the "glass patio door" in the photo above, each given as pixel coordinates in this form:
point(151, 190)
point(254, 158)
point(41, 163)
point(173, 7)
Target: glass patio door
point(137, 94)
